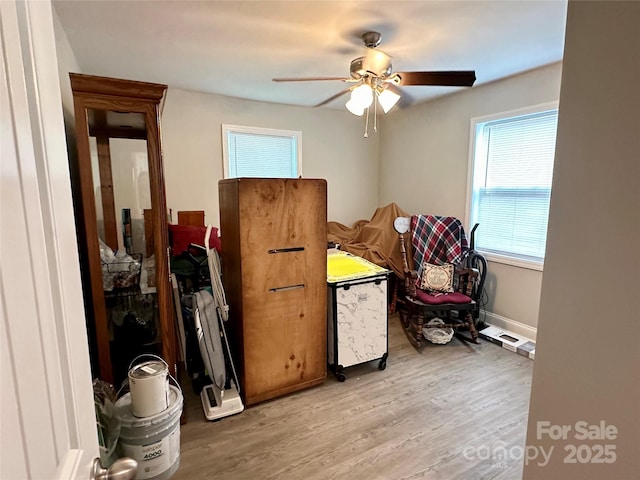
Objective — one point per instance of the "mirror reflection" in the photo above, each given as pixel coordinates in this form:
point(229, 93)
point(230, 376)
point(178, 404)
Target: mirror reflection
point(120, 171)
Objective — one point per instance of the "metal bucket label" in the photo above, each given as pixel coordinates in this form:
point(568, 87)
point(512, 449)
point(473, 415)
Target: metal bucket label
point(155, 458)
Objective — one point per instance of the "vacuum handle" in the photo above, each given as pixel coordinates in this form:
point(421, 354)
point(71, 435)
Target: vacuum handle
point(473, 236)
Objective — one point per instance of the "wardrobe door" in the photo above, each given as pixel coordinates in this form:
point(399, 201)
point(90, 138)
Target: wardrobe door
point(284, 285)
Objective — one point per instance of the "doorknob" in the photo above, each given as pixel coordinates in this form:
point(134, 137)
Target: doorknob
point(122, 469)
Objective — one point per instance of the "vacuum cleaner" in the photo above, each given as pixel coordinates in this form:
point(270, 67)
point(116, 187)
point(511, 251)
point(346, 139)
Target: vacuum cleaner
point(210, 312)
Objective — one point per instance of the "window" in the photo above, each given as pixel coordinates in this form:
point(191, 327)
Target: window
point(511, 169)
point(260, 152)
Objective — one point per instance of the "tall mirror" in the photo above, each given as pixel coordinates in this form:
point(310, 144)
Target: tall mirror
point(124, 228)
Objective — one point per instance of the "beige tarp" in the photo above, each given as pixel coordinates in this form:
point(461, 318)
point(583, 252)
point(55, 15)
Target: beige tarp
point(374, 240)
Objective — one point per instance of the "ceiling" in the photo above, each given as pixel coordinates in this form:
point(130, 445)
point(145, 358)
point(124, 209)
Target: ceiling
point(235, 48)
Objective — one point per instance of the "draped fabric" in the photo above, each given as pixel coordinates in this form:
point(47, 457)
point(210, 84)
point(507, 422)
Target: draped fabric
point(375, 239)
point(437, 240)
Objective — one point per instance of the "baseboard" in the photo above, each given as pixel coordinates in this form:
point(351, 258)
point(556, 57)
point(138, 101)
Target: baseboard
point(505, 323)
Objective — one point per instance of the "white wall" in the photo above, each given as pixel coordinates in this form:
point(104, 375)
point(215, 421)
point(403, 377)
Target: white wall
point(67, 62)
point(587, 357)
point(424, 155)
point(333, 148)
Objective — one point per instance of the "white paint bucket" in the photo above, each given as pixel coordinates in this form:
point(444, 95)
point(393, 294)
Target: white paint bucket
point(154, 442)
point(149, 386)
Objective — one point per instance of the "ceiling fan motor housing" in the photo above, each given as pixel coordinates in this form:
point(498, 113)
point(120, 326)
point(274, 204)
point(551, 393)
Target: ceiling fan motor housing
point(375, 63)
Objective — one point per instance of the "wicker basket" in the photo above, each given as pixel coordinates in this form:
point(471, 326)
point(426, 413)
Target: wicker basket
point(123, 274)
point(437, 335)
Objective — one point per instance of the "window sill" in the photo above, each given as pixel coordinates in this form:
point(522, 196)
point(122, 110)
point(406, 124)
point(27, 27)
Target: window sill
point(514, 262)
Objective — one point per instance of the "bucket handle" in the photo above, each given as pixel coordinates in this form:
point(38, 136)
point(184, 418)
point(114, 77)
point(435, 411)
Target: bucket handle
point(156, 357)
point(150, 355)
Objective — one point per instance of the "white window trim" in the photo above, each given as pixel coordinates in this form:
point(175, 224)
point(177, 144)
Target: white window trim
point(226, 128)
point(493, 257)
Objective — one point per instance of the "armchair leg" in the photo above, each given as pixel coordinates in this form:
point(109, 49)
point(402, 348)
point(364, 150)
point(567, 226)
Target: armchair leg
point(470, 324)
point(412, 324)
point(394, 297)
point(418, 328)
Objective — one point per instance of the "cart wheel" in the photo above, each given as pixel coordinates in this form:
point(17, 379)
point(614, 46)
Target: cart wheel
point(382, 365)
point(341, 377)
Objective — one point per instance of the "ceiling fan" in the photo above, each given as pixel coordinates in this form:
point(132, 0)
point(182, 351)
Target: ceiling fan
point(373, 79)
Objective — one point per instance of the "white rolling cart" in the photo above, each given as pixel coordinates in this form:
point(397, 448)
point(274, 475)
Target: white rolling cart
point(357, 328)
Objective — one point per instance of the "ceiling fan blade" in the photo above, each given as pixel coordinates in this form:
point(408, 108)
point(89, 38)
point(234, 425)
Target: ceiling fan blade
point(309, 79)
point(460, 78)
point(332, 98)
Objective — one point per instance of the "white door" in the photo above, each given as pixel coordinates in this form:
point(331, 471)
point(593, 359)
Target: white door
point(47, 416)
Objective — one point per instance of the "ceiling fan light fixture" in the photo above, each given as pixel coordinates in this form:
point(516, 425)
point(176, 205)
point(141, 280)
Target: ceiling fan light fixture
point(362, 95)
point(355, 108)
point(387, 99)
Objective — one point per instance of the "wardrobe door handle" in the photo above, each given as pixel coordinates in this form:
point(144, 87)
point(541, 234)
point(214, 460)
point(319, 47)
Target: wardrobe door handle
point(288, 287)
point(286, 250)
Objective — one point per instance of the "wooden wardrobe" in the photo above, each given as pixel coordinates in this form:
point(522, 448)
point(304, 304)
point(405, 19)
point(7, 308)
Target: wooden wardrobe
point(274, 270)
point(119, 193)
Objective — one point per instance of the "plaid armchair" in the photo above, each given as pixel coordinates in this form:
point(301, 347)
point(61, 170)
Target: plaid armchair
point(445, 280)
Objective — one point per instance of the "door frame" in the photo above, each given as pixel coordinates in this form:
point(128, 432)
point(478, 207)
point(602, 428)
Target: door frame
point(46, 359)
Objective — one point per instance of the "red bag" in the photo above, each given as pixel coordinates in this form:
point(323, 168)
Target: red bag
point(181, 236)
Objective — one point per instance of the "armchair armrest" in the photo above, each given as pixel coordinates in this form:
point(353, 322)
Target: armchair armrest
point(466, 279)
point(410, 280)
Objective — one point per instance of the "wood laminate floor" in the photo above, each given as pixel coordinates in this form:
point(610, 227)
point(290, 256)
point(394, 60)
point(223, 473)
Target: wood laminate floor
point(446, 412)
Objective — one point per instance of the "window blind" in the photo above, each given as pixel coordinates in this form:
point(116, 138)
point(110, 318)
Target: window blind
point(262, 155)
point(512, 184)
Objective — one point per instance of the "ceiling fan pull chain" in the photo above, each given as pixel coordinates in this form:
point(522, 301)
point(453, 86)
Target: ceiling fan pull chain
point(366, 124)
point(375, 114)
